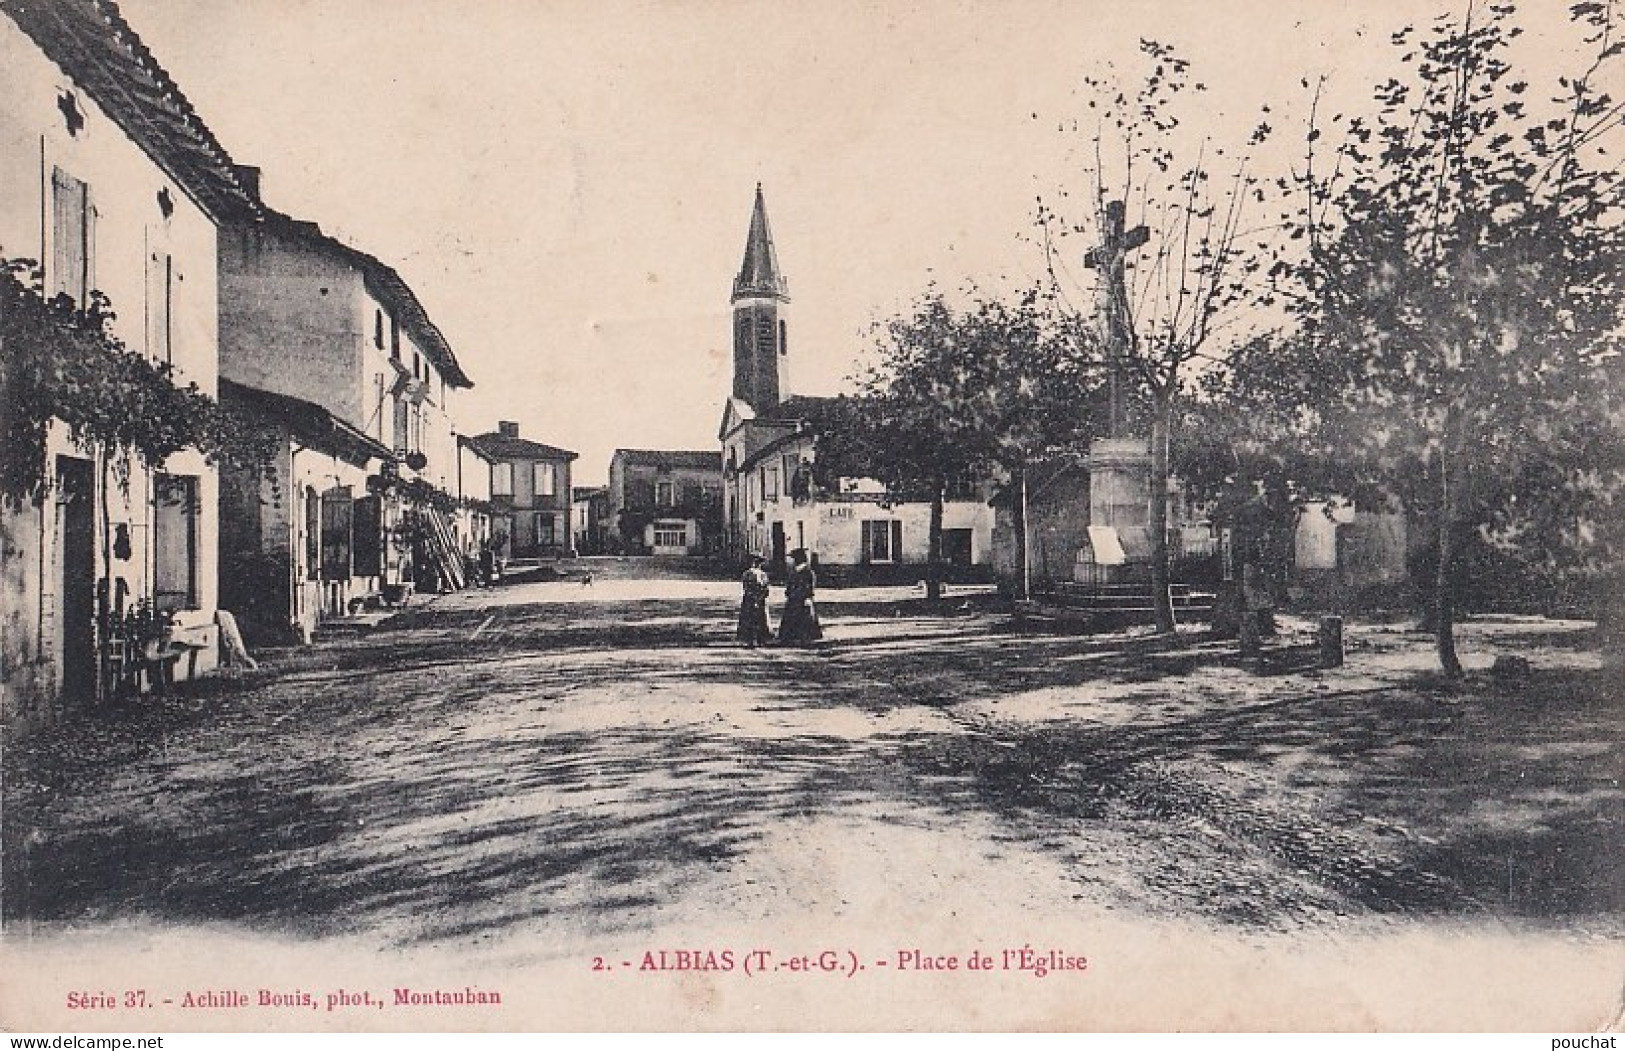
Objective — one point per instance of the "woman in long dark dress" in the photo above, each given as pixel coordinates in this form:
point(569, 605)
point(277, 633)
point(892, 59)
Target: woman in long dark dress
point(753, 629)
point(799, 626)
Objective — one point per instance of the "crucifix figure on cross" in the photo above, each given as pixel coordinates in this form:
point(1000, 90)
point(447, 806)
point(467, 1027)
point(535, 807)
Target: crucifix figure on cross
point(1110, 257)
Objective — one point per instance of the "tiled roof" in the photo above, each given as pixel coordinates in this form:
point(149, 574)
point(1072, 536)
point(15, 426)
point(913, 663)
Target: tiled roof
point(494, 445)
point(387, 285)
point(671, 459)
point(806, 408)
point(309, 421)
point(99, 51)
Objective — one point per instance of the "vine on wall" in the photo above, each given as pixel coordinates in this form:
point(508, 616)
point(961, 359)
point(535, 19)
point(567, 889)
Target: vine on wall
point(60, 362)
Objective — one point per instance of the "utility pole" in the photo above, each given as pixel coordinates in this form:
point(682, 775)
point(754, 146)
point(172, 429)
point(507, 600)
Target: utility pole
point(1110, 257)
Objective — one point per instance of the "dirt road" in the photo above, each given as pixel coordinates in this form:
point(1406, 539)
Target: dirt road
point(543, 775)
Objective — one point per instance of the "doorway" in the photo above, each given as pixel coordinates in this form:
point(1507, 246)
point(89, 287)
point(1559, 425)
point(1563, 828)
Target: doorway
point(778, 547)
point(76, 540)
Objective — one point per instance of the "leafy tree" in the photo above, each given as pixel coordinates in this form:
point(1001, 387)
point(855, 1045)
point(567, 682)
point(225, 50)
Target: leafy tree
point(1461, 293)
point(1257, 456)
point(958, 393)
point(1167, 285)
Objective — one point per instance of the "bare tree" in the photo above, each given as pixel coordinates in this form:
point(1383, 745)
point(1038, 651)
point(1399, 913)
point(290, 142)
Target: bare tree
point(1164, 214)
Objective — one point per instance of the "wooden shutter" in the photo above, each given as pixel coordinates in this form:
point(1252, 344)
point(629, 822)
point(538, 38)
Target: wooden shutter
point(313, 535)
point(160, 295)
point(897, 541)
point(71, 236)
point(175, 537)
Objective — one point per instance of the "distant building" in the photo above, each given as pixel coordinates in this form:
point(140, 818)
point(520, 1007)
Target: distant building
point(590, 515)
point(769, 438)
point(664, 502)
point(530, 491)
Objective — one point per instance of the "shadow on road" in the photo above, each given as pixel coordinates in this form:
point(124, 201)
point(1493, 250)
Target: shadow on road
point(425, 780)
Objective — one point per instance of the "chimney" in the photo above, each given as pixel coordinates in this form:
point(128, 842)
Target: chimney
point(249, 176)
point(509, 429)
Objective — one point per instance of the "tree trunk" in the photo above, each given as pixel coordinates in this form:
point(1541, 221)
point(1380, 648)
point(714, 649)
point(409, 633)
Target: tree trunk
point(104, 589)
point(933, 567)
point(1023, 550)
point(1162, 602)
point(1444, 597)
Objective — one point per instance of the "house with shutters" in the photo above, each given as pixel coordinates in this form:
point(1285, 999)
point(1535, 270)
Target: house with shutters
point(327, 347)
point(114, 185)
point(773, 500)
point(664, 502)
point(530, 493)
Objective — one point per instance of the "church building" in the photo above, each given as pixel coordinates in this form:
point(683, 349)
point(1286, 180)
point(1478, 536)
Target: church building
point(769, 436)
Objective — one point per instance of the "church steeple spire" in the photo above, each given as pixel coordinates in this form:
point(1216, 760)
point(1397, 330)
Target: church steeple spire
point(759, 276)
point(761, 336)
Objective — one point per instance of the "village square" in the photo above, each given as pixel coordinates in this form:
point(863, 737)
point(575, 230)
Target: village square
point(1214, 597)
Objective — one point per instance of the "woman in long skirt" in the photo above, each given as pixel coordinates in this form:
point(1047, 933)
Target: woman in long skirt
point(753, 629)
point(799, 625)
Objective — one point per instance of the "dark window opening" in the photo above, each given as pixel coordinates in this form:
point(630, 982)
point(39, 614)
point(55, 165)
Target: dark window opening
point(366, 527)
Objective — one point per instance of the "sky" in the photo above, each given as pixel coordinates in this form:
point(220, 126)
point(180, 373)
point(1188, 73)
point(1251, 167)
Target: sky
point(567, 185)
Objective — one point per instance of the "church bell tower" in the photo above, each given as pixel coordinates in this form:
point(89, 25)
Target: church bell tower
point(761, 347)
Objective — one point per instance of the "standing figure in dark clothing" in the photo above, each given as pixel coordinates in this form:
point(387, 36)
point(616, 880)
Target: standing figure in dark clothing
point(488, 564)
point(753, 629)
point(799, 625)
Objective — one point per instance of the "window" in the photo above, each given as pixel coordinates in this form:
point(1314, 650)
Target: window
point(882, 541)
point(671, 534)
point(394, 339)
point(73, 237)
point(160, 294)
point(770, 483)
point(174, 534)
point(378, 329)
point(544, 479)
point(546, 531)
point(502, 479)
point(665, 494)
point(791, 462)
